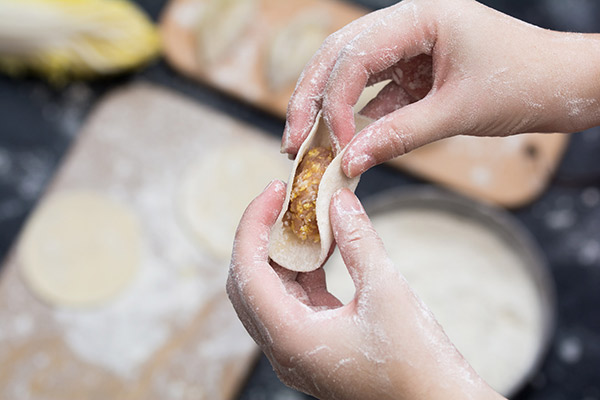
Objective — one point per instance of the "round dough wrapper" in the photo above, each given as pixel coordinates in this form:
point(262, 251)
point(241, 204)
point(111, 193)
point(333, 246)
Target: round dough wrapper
point(368, 94)
point(80, 248)
point(216, 189)
point(220, 26)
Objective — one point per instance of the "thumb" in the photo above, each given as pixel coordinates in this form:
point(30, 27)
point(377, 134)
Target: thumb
point(360, 247)
point(400, 132)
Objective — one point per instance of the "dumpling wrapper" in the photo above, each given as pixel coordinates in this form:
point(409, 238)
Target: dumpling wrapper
point(285, 248)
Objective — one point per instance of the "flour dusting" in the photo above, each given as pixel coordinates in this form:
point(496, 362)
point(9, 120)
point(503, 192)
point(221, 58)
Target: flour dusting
point(477, 287)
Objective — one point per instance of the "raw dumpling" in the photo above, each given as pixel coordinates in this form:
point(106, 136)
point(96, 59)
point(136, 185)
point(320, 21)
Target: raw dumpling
point(286, 248)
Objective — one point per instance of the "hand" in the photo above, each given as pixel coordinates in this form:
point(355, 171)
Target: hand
point(384, 344)
point(457, 67)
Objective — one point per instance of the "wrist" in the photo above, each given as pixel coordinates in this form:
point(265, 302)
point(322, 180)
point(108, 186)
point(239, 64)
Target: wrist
point(455, 384)
point(571, 83)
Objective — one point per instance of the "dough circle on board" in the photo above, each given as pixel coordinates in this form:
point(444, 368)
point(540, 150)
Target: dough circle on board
point(293, 46)
point(220, 26)
point(80, 248)
point(216, 189)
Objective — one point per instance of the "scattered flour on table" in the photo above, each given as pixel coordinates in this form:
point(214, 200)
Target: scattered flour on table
point(174, 281)
point(27, 171)
point(562, 215)
point(176, 278)
point(172, 328)
point(560, 219)
point(590, 197)
point(589, 252)
point(123, 334)
point(570, 349)
point(66, 109)
point(473, 282)
point(74, 104)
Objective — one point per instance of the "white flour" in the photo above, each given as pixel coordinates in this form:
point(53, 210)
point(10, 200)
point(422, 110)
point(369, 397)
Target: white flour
point(122, 335)
point(177, 279)
point(473, 282)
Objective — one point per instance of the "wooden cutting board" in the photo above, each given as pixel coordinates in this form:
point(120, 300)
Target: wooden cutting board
point(243, 71)
point(506, 172)
point(509, 172)
point(171, 333)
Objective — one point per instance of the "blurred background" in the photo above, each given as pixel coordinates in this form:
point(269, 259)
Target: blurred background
point(47, 120)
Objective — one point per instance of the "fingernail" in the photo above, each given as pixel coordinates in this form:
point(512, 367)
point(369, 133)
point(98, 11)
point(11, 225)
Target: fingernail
point(335, 143)
point(285, 140)
point(347, 203)
point(285, 145)
point(273, 182)
point(287, 148)
point(360, 164)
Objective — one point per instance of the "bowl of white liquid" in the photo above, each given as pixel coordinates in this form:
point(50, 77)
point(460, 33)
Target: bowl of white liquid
point(478, 270)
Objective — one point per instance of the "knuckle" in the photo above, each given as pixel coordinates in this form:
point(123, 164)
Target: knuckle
point(399, 138)
point(352, 242)
point(355, 234)
point(331, 41)
point(348, 52)
point(339, 38)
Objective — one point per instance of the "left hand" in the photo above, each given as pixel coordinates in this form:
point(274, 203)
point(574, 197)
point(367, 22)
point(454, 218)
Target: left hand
point(385, 344)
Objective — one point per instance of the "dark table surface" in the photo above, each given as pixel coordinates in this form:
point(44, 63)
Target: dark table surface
point(39, 123)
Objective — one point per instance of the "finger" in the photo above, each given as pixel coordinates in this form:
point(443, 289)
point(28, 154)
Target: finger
point(315, 286)
point(258, 286)
point(391, 98)
point(411, 80)
point(306, 100)
point(309, 288)
point(369, 53)
point(292, 287)
point(252, 235)
point(402, 131)
point(251, 239)
point(360, 247)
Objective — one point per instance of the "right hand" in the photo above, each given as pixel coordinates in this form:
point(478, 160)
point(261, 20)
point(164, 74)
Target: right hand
point(457, 67)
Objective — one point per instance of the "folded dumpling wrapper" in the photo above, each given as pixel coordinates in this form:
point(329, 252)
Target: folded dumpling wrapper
point(285, 248)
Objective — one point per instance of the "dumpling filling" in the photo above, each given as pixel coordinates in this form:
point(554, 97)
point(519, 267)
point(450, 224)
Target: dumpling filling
point(301, 216)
